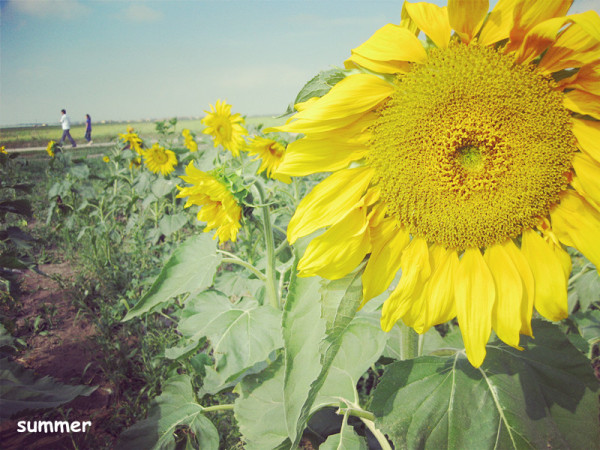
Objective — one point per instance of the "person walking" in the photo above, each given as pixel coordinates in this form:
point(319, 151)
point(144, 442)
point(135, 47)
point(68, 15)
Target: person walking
point(88, 129)
point(66, 126)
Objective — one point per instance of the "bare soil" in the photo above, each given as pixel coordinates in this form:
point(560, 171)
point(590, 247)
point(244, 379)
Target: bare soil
point(62, 346)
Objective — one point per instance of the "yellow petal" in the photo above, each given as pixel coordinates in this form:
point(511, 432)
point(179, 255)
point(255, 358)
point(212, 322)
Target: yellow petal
point(545, 33)
point(522, 266)
point(475, 294)
point(574, 47)
point(506, 315)
point(583, 103)
point(589, 21)
point(416, 314)
point(466, 17)
point(357, 61)
point(309, 155)
point(550, 298)
point(392, 43)
point(329, 201)
point(499, 23)
point(588, 173)
point(415, 271)
point(539, 38)
point(587, 79)
point(587, 133)
point(407, 22)
point(440, 291)
point(577, 224)
point(354, 95)
point(432, 20)
point(577, 186)
point(529, 13)
point(339, 250)
point(387, 241)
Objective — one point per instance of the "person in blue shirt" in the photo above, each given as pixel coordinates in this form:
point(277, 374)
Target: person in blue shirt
point(88, 129)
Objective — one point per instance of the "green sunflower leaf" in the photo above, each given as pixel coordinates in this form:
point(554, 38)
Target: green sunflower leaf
point(174, 410)
point(303, 330)
point(346, 440)
point(542, 397)
point(318, 86)
point(340, 347)
point(588, 324)
point(190, 269)
point(21, 207)
point(22, 389)
point(259, 409)
point(584, 289)
point(170, 223)
point(161, 187)
point(318, 369)
point(241, 334)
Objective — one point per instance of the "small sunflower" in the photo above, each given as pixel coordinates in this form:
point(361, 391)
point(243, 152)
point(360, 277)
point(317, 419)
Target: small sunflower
point(132, 140)
point(219, 208)
point(135, 163)
point(159, 159)
point(189, 141)
point(467, 164)
point(271, 152)
point(226, 129)
point(50, 148)
point(106, 159)
point(3, 150)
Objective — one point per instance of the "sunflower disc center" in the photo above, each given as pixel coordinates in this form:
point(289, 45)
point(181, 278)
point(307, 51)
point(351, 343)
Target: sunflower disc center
point(470, 158)
point(471, 148)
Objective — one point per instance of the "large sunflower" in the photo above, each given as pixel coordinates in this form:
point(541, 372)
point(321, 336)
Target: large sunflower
point(226, 129)
point(159, 159)
point(219, 209)
point(271, 153)
point(467, 164)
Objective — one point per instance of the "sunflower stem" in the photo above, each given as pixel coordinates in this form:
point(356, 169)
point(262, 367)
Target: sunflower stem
point(250, 267)
point(271, 281)
point(224, 407)
point(409, 344)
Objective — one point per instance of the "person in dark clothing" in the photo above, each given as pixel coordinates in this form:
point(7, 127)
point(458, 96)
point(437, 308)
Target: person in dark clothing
point(88, 129)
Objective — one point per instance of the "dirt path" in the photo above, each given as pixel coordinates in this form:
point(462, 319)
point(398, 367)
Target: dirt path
point(60, 344)
point(67, 148)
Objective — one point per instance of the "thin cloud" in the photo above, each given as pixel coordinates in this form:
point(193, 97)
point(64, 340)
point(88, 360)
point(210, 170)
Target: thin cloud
point(59, 9)
point(140, 13)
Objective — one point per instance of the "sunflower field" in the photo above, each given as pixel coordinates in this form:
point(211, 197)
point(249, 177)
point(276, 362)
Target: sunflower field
point(406, 259)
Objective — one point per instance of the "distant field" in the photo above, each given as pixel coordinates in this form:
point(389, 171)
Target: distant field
point(39, 136)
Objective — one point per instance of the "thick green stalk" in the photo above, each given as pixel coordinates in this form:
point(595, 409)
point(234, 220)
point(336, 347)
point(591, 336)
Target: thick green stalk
point(224, 407)
point(409, 344)
point(271, 281)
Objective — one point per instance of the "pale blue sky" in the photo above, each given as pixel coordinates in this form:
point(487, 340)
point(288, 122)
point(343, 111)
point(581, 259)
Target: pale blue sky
point(119, 60)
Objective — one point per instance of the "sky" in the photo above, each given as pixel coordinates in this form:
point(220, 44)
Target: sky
point(148, 59)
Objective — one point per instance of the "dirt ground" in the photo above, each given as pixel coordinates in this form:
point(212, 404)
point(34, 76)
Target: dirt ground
point(62, 346)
